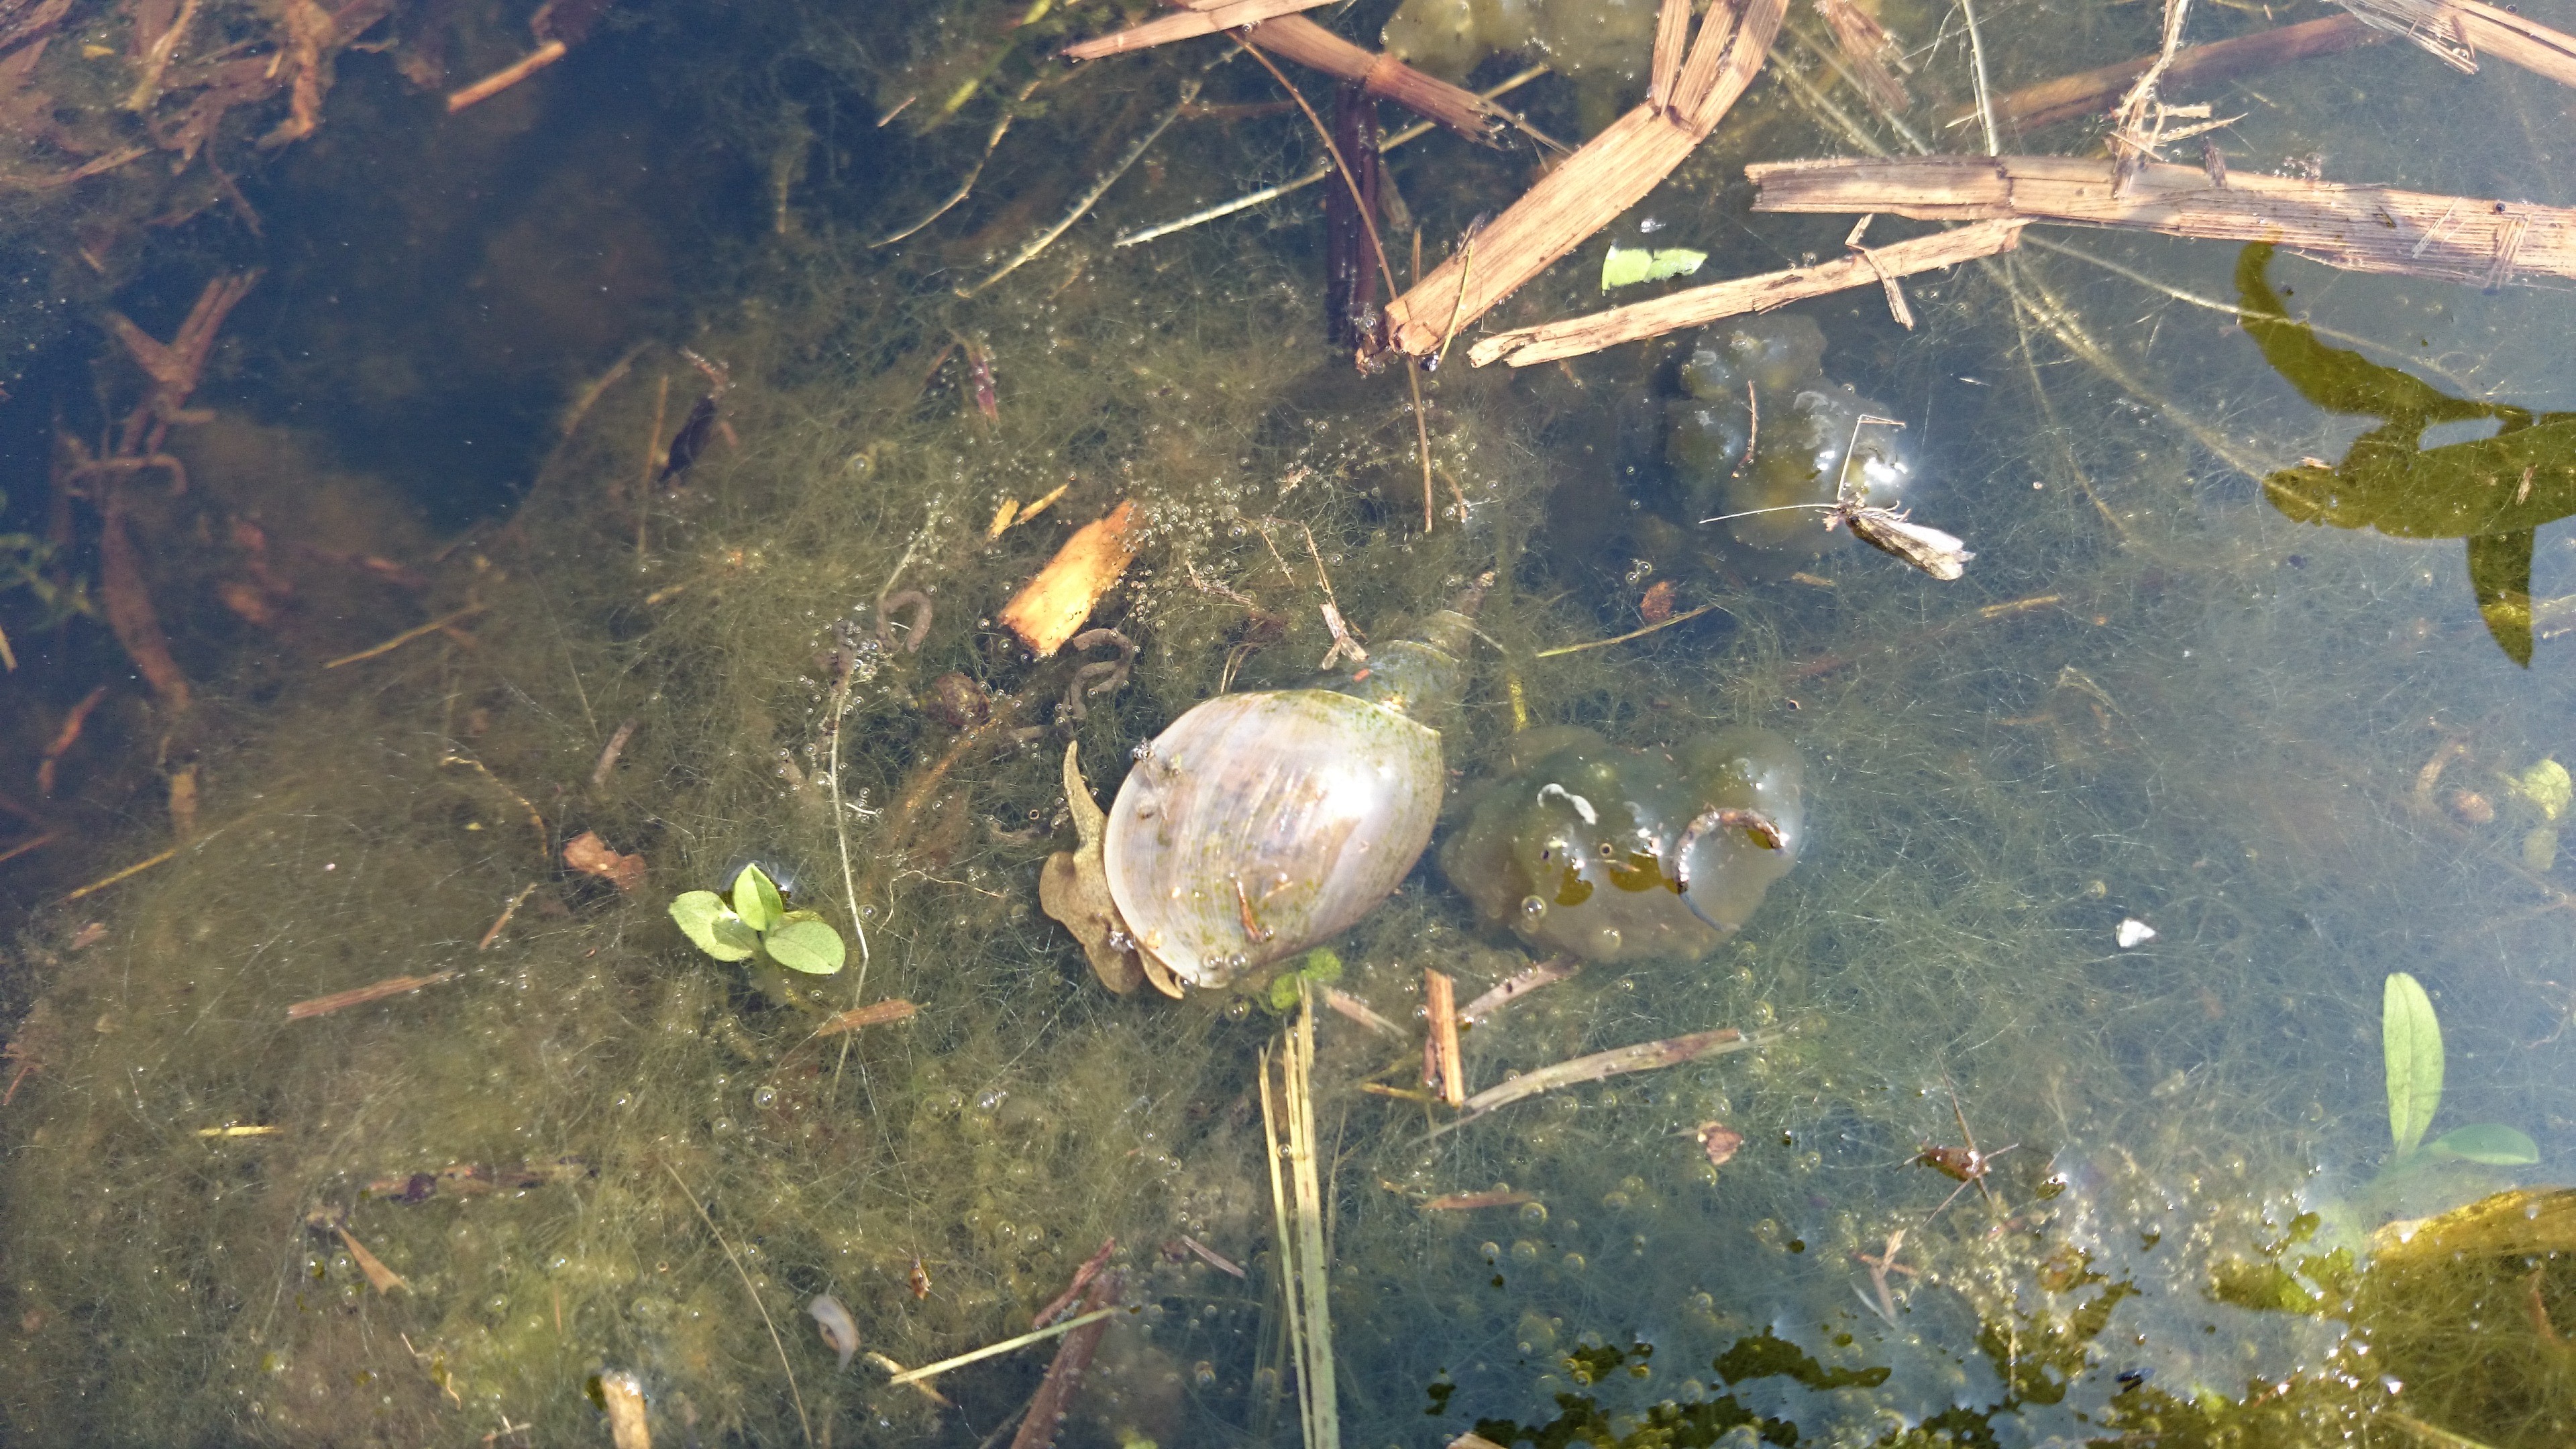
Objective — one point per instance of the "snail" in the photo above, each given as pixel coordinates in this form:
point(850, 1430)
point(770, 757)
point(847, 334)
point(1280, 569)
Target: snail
point(1615, 854)
point(1259, 824)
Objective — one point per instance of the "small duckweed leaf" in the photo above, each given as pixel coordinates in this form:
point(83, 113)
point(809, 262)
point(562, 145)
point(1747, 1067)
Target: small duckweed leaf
point(756, 899)
point(1283, 992)
point(1322, 967)
point(2411, 1039)
point(2547, 786)
point(812, 947)
point(2492, 1143)
point(1627, 266)
point(703, 917)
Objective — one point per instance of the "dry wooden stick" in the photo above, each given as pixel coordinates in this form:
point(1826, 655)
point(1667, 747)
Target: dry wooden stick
point(405, 637)
point(1589, 190)
point(2091, 92)
point(1697, 306)
point(2357, 228)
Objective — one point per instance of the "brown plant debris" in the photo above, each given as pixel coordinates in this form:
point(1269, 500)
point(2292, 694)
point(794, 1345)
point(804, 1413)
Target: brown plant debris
point(1645, 1056)
point(1698, 306)
point(64, 738)
point(380, 1277)
point(1064, 1374)
point(1441, 1069)
point(1051, 608)
point(360, 996)
point(1613, 171)
point(471, 1179)
point(2458, 31)
point(2358, 228)
point(1073, 889)
point(1464, 1202)
point(1517, 985)
point(875, 1013)
point(2091, 92)
point(590, 855)
point(1201, 17)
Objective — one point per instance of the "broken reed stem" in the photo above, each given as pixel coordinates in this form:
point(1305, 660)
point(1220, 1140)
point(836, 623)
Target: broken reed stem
point(2088, 93)
point(991, 1350)
point(1091, 198)
point(1697, 306)
point(1645, 1056)
point(1442, 1071)
point(1312, 1320)
point(1377, 252)
point(1588, 190)
point(1977, 62)
point(2356, 228)
point(775, 1341)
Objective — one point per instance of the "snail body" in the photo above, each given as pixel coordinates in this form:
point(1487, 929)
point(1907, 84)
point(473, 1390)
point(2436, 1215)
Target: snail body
point(1615, 854)
point(1259, 824)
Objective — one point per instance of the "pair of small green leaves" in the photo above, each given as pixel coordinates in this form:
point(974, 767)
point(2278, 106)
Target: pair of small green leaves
point(2411, 1039)
point(757, 923)
point(1321, 967)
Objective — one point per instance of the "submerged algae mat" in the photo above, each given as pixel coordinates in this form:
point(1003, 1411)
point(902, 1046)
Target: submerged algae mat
point(2286, 750)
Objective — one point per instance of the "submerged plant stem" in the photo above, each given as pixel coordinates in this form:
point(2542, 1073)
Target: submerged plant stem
point(777, 1342)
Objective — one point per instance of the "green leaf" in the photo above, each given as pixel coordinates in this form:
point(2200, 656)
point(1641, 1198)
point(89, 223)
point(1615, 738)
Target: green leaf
point(1322, 967)
point(2488, 1142)
point(1627, 266)
point(711, 925)
point(756, 900)
point(2411, 1038)
point(812, 947)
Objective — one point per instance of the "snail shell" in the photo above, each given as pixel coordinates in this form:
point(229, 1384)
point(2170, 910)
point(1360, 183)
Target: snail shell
point(1260, 824)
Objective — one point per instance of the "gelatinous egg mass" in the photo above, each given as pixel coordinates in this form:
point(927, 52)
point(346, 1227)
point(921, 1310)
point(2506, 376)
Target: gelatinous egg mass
point(1762, 428)
point(1580, 847)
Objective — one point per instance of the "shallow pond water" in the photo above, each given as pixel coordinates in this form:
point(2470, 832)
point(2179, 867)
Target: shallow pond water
point(2110, 847)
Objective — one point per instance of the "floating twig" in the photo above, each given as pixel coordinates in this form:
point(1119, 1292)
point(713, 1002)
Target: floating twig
point(1358, 1010)
point(2090, 92)
point(1698, 306)
point(1202, 17)
point(1082, 1277)
point(2357, 228)
point(64, 738)
point(1610, 174)
point(1211, 1256)
point(360, 996)
point(1064, 1374)
point(616, 746)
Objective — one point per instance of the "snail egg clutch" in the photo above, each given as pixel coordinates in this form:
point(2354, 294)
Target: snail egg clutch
point(1260, 824)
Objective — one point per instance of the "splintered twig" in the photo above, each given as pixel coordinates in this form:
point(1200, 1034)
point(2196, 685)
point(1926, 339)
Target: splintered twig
point(1698, 306)
point(1517, 985)
point(1442, 1071)
point(2357, 228)
point(2458, 31)
point(1612, 172)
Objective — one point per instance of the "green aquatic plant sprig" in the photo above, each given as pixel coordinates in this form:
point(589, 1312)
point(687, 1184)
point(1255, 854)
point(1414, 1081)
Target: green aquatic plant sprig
point(757, 923)
point(2411, 1039)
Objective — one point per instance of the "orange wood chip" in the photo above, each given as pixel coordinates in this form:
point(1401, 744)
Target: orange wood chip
point(1052, 607)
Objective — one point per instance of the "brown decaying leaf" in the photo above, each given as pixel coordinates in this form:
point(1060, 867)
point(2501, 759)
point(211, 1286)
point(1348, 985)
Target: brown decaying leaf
point(590, 855)
point(1051, 608)
point(1720, 1142)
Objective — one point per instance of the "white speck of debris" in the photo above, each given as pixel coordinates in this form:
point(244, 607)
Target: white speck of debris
point(1581, 806)
point(2134, 932)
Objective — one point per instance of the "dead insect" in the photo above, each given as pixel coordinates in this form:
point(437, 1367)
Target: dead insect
point(1944, 556)
point(1964, 1165)
point(918, 1280)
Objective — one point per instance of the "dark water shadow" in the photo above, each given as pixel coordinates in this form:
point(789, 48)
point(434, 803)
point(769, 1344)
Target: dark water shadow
point(2494, 492)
